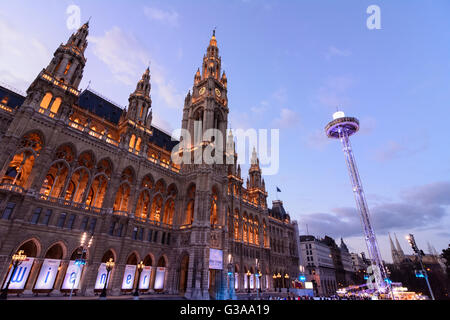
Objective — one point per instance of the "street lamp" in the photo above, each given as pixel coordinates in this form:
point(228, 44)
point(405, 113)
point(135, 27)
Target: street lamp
point(81, 261)
point(419, 254)
point(248, 284)
point(274, 277)
point(140, 267)
point(286, 276)
point(109, 266)
point(230, 277)
point(17, 260)
point(260, 278)
point(279, 281)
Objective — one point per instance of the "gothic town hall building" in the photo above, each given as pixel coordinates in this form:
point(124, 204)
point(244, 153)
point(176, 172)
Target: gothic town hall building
point(73, 162)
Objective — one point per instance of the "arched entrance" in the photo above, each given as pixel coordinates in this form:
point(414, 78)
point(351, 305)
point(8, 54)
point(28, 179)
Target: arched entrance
point(20, 275)
point(103, 276)
point(184, 265)
point(49, 269)
point(160, 274)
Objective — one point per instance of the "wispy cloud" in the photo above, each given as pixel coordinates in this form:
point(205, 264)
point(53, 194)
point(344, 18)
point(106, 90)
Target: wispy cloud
point(424, 206)
point(288, 119)
point(21, 56)
point(317, 140)
point(333, 52)
point(399, 149)
point(333, 93)
point(167, 17)
point(128, 65)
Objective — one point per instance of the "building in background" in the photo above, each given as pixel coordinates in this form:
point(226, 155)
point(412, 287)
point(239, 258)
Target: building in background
point(74, 162)
point(319, 266)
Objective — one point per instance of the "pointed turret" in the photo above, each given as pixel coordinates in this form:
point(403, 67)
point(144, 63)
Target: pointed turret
point(139, 107)
point(211, 61)
point(401, 254)
point(343, 246)
point(69, 61)
point(394, 252)
point(256, 187)
point(55, 89)
point(197, 76)
point(224, 79)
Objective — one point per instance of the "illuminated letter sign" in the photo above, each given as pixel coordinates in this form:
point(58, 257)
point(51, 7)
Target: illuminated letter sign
point(128, 277)
point(215, 259)
point(309, 285)
point(236, 280)
point(20, 276)
point(73, 276)
point(159, 278)
point(101, 277)
point(245, 281)
point(252, 281)
point(257, 283)
point(144, 281)
point(47, 275)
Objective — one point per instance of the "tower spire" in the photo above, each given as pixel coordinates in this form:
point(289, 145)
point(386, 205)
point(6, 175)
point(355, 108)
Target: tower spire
point(140, 101)
point(393, 251)
point(401, 254)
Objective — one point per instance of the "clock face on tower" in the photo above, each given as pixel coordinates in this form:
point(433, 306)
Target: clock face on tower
point(218, 93)
point(202, 90)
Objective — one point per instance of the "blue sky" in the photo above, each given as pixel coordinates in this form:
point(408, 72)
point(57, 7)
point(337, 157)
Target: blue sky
point(289, 65)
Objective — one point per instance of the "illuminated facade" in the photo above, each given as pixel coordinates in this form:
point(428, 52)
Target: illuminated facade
point(74, 162)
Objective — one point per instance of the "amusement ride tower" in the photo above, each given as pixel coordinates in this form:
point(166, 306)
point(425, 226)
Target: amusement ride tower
point(342, 128)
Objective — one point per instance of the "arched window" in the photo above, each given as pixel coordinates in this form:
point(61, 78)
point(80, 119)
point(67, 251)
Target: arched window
point(67, 67)
point(189, 216)
point(143, 204)
point(213, 213)
point(132, 142)
point(169, 209)
point(55, 180)
point(123, 194)
point(138, 144)
point(99, 185)
point(55, 105)
point(46, 100)
point(77, 186)
point(155, 213)
point(20, 166)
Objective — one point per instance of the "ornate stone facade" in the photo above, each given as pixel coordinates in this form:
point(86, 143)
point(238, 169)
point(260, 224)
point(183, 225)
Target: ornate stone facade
point(73, 162)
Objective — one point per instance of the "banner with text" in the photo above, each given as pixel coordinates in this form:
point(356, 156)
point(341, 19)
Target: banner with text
point(47, 275)
point(20, 276)
point(128, 277)
point(73, 276)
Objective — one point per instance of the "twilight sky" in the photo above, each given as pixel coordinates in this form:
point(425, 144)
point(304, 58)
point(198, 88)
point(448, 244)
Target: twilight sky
point(289, 64)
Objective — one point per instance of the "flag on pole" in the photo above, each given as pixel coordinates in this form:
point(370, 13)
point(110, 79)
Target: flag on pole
point(278, 189)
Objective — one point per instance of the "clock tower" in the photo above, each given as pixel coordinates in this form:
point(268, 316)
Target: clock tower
point(207, 106)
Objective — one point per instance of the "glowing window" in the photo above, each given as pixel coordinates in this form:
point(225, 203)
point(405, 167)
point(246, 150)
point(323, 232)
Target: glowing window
point(67, 67)
point(46, 100)
point(55, 105)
